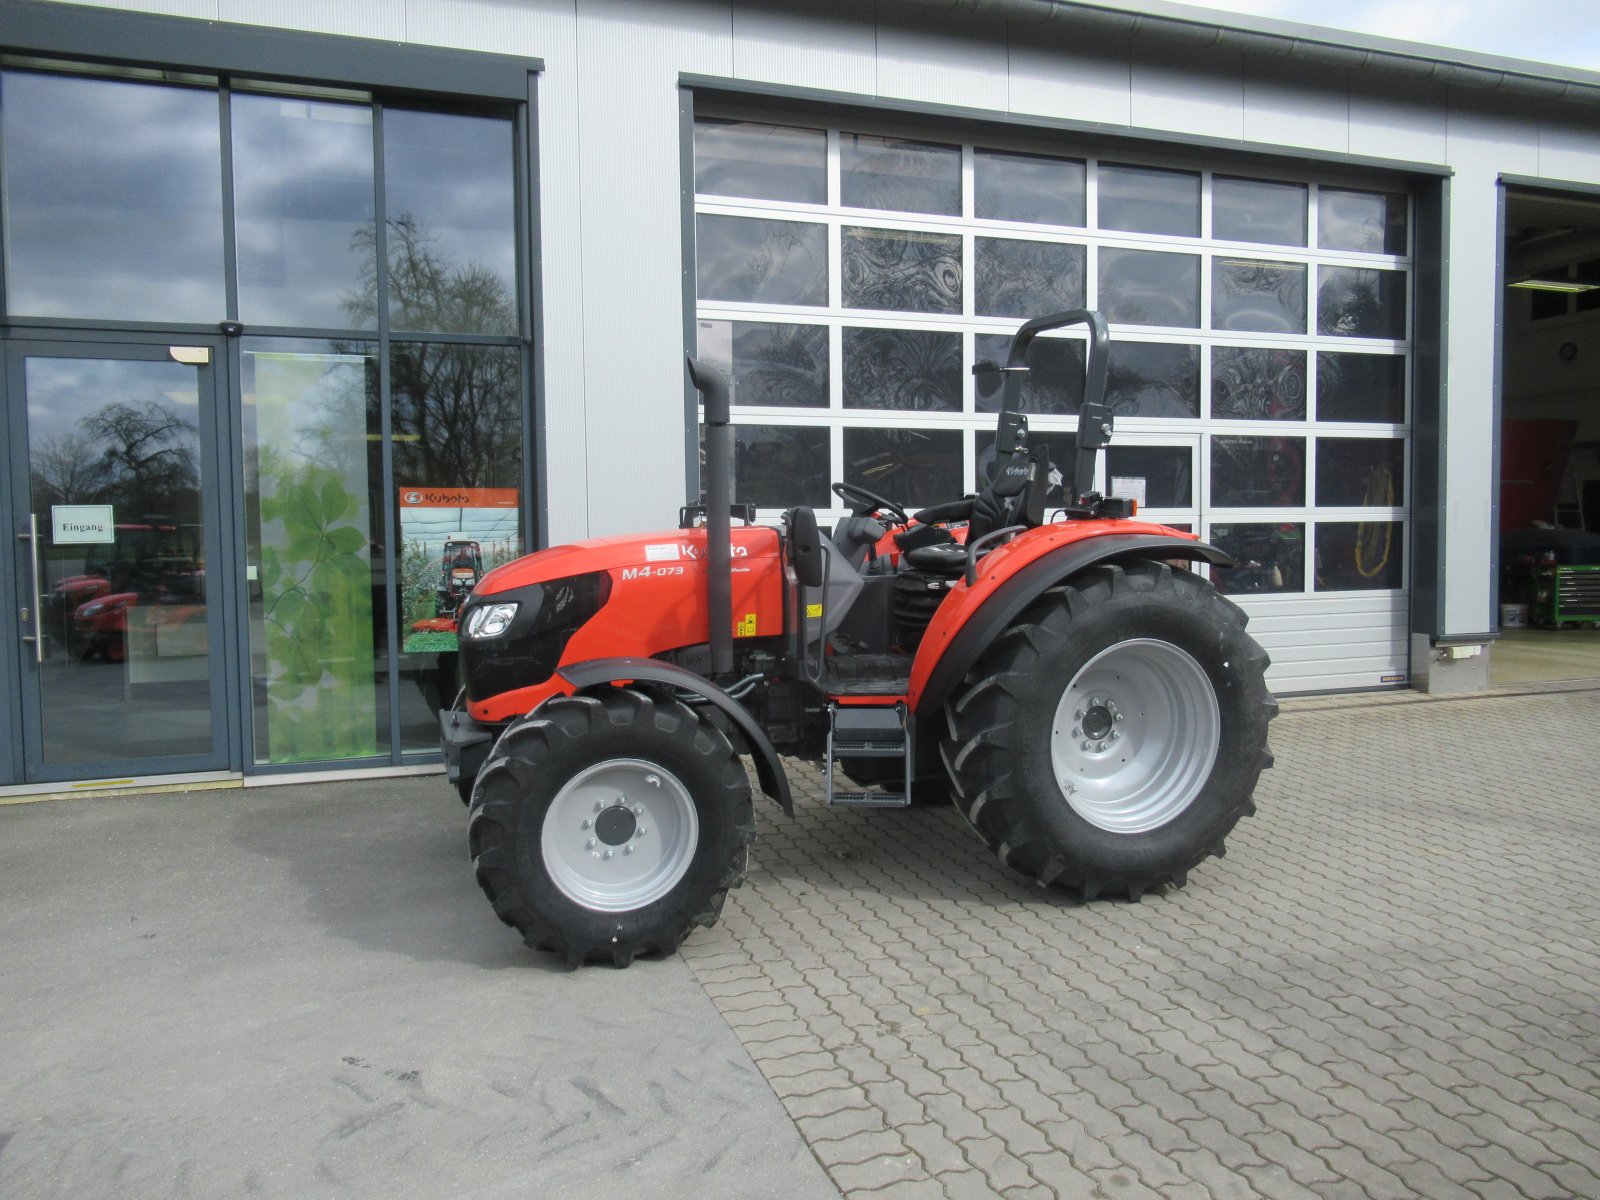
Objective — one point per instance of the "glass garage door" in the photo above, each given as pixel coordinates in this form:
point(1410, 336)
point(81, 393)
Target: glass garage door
point(849, 277)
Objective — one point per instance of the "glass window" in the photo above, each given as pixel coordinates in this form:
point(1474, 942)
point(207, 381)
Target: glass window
point(450, 216)
point(456, 426)
point(1149, 200)
point(1028, 187)
point(1360, 555)
point(1053, 384)
point(1268, 557)
point(1371, 222)
point(764, 162)
point(1015, 278)
point(1259, 297)
point(314, 518)
point(1150, 287)
point(1258, 472)
point(1258, 210)
point(768, 363)
point(303, 204)
point(761, 262)
point(913, 369)
point(113, 200)
point(776, 466)
point(1361, 387)
point(1360, 472)
point(915, 467)
point(901, 270)
point(1153, 379)
point(1248, 384)
point(1167, 473)
point(1355, 302)
point(898, 174)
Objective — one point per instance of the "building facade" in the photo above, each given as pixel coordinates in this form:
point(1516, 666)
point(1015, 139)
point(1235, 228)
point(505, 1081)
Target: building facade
point(309, 322)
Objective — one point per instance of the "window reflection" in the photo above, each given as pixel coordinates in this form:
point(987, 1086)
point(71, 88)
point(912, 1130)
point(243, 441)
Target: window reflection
point(1361, 387)
point(113, 200)
point(1268, 556)
point(1261, 297)
point(1028, 187)
point(769, 363)
point(1371, 222)
point(1360, 555)
point(1153, 379)
point(915, 467)
point(1353, 302)
point(1167, 472)
point(1249, 384)
point(1258, 210)
point(761, 262)
point(765, 162)
point(776, 466)
point(1149, 200)
point(1149, 287)
point(302, 180)
point(1053, 384)
point(912, 369)
point(449, 200)
point(898, 174)
point(1258, 472)
point(1016, 278)
point(1360, 472)
point(901, 270)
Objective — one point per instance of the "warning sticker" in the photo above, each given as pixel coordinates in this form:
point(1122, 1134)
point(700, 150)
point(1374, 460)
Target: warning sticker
point(662, 552)
point(813, 610)
point(746, 627)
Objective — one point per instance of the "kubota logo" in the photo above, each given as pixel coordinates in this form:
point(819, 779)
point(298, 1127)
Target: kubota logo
point(456, 499)
point(413, 497)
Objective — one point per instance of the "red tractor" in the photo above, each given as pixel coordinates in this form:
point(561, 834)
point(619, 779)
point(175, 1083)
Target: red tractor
point(1095, 710)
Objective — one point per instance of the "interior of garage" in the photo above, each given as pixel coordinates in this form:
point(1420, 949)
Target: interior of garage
point(1549, 487)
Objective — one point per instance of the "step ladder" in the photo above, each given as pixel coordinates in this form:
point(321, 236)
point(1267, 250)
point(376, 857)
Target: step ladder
point(860, 731)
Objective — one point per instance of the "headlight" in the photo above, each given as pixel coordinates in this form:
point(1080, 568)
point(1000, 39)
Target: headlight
point(490, 620)
point(89, 610)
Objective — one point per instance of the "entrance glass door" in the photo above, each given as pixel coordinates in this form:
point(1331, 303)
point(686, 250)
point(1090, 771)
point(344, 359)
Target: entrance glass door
point(118, 624)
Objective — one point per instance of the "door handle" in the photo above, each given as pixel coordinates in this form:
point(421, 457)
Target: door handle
point(37, 637)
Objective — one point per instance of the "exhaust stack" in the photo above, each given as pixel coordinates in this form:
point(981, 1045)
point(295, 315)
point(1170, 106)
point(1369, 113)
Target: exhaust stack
point(718, 494)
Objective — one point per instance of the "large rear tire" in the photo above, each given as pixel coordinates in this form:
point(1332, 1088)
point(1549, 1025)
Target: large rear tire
point(609, 825)
point(1112, 738)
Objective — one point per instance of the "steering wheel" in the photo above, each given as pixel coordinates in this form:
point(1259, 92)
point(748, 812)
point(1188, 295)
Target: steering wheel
point(864, 503)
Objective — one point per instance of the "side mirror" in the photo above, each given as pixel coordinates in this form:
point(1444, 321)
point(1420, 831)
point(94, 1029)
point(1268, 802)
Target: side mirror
point(805, 546)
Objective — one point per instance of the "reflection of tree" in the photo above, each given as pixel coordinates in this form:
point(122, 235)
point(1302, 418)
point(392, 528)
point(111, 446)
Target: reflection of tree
point(456, 415)
point(67, 470)
point(147, 456)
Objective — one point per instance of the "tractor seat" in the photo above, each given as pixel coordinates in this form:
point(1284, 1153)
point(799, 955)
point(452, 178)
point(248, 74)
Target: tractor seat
point(945, 558)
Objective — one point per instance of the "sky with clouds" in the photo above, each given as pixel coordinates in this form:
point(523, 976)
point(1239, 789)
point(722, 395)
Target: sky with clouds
point(1553, 31)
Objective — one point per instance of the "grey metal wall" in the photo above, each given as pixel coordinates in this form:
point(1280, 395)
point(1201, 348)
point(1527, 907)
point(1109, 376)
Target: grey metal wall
point(611, 209)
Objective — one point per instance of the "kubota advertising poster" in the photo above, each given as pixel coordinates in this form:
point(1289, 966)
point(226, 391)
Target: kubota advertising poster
point(450, 537)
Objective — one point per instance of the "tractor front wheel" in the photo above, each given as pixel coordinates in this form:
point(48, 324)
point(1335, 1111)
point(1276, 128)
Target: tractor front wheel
point(608, 825)
point(1111, 739)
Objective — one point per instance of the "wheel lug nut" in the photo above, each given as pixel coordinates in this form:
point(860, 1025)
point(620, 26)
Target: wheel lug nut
point(598, 807)
point(638, 810)
point(643, 831)
point(1077, 732)
point(627, 849)
point(608, 854)
point(587, 824)
point(1078, 716)
point(589, 845)
point(1087, 746)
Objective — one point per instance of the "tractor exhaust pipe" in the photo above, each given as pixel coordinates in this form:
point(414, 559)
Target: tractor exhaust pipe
point(718, 493)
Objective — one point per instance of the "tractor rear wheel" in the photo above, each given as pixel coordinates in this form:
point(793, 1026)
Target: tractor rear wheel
point(1111, 739)
point(611, 824)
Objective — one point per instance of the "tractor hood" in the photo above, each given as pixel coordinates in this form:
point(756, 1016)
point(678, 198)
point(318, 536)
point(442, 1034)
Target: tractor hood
point(668, 553)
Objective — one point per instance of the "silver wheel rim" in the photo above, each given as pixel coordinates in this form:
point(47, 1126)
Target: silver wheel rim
point(1135, 736)
point(619, 835)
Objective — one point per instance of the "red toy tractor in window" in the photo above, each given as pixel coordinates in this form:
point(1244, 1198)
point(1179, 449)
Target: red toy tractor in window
point(1094, 709)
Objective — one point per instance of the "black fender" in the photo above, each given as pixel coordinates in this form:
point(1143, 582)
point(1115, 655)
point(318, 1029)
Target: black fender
point(1031, 582)
point(769, 768)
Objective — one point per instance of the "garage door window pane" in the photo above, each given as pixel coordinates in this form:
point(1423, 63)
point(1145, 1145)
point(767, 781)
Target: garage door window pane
point(1256, 472)
point(778, 365)
point(1260, 297)
point(776, 466)
point(302, 183)
point(1152, 379)
point(1053, 384)
point(1268, 557)
point(1360, 472)
point(1361, 387)
point(1149, 200)
point(901, 270)
point(913, 369)
point(761, 262)
point(915, 467)
point(1028, 187)
point(1249, 384)
point(1370, 222)
point(450, 205)
point(1353, 302)
point(1016, 278)
point(1258, 210)
point(1148, 287)
point(113, 202)
point(1167, 471)
point(764, 162)
point(1360, 555)
point(900, 175)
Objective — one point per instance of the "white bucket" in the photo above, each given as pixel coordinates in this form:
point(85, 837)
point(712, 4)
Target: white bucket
point(1513, 616)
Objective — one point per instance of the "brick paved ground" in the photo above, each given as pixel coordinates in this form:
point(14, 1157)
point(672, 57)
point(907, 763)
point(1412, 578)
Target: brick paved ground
point(1390, 987)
